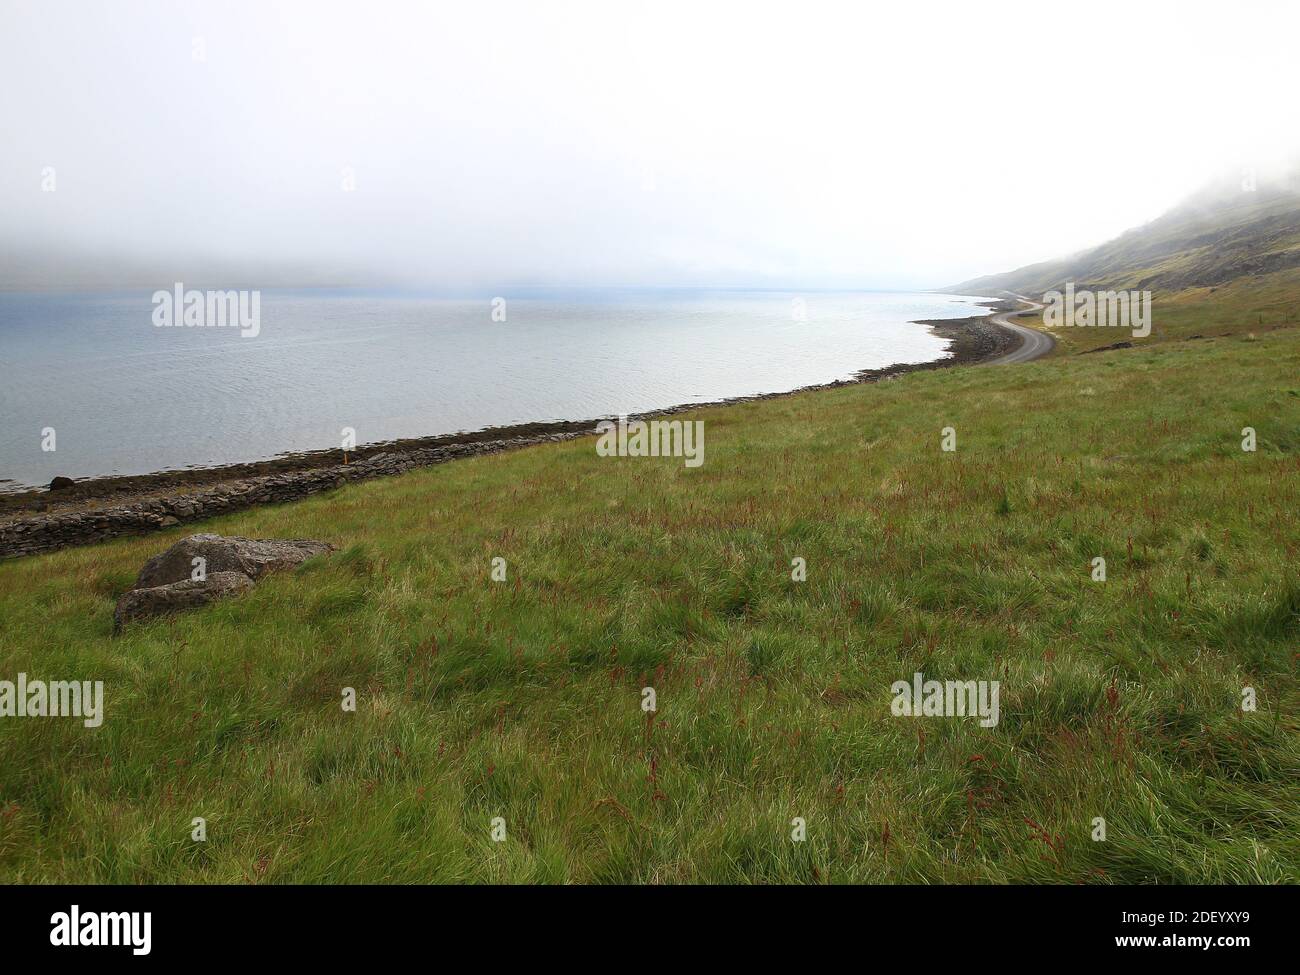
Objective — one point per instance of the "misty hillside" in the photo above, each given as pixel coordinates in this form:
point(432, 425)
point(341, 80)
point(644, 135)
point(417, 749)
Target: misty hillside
point(1220, 234)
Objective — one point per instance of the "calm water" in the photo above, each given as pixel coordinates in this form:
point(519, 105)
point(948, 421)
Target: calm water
point(126, 397)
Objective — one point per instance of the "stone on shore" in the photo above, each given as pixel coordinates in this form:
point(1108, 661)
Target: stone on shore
point(253, 557)
point(157, 600)
point(174, 580)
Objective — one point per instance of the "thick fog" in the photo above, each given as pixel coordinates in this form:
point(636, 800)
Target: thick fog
point(476, 147)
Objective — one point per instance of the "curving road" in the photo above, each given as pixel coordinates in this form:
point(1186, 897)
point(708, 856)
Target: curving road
point(1034, 344)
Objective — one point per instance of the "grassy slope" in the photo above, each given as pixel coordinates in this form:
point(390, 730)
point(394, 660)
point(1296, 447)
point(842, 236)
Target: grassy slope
point(1253, 304)
point(1216, 237)
point(1119, 699)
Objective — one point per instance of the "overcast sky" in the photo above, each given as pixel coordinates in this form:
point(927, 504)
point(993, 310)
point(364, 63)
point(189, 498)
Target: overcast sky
point(499, 145)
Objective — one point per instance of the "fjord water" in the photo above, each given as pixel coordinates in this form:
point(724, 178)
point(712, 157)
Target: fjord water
point(126, 397)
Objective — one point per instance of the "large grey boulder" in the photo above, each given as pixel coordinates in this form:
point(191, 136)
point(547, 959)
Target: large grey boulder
point(157, 600)
point(254, 557)
point(229, 566)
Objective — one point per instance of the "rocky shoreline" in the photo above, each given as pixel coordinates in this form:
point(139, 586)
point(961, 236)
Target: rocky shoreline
point(33, 522)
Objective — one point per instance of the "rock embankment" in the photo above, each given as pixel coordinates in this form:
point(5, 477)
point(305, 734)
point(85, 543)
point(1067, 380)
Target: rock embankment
point(971, 340)
point(50, 532)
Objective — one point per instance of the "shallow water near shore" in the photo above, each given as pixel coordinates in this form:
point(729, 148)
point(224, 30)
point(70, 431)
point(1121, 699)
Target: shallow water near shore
point(126, 397)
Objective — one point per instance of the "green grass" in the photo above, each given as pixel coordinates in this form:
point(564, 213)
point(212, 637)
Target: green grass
point(522, 699)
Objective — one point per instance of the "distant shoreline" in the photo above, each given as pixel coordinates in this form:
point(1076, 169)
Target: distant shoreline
point(41, 520)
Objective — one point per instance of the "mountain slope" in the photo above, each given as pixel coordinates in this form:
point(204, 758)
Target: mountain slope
point(1223, 233)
